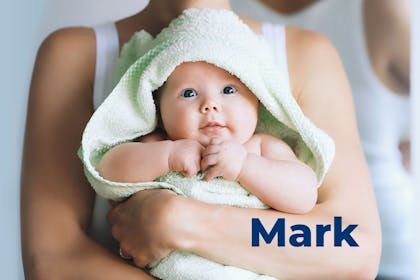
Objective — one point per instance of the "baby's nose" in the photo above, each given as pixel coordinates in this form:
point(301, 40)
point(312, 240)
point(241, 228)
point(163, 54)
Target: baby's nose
point(210, 106)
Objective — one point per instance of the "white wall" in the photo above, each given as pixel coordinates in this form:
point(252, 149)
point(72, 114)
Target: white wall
point(18, 23)
point(59, 13)
point(23, 25)
point(415, 111)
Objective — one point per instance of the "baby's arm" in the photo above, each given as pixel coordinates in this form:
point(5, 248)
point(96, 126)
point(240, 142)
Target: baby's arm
point(151, 157)
point(140, 161)
point(267, 168)
point(278, 178)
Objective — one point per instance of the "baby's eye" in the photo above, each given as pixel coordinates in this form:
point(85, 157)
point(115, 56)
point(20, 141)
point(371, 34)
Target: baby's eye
point(229, 90)
point(189, 93)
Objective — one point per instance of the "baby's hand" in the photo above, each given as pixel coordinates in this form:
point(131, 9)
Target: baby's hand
point(223, 159)
point(185, 157)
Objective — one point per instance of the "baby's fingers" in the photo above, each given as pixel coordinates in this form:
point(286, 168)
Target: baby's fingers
point(212, 149)
point(190, 169)
point(212, 173)
point(208, 160)
point(216, 141)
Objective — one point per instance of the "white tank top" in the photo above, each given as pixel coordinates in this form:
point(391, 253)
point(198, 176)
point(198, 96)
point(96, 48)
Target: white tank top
point(107, 52)
point(382, 116)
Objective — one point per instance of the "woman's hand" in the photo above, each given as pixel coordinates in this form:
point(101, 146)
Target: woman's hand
point(145, 226)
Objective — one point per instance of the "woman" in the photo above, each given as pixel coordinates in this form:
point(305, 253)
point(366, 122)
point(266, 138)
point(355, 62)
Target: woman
point(57, 201)
point(373, 40)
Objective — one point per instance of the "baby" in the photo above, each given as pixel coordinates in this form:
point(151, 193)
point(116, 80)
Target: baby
point(207, 122)
point(206, 146)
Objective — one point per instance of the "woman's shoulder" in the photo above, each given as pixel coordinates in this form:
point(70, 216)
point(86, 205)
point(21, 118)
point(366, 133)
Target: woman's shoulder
point(311, 56)
point(71, 49)
point(75, 41)
point(65, 56)
point(63, 74)
point(307, 46)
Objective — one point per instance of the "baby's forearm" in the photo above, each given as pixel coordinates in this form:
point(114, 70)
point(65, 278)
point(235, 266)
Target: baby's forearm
point(286, 185)
point(136, 161)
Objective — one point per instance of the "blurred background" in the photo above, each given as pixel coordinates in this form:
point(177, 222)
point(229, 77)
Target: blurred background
point(24, 24)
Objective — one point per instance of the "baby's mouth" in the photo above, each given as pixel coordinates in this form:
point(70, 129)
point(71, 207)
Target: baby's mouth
point(212, 127)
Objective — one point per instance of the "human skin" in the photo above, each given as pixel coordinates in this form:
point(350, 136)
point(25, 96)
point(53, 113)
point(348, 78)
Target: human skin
point(235, 115)
point(209, 117)
point(387, 35)
point(57, 200)
point(388, 41)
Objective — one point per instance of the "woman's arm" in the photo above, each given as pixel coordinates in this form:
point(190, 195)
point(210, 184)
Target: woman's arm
point(223, 233)
point(56, 200)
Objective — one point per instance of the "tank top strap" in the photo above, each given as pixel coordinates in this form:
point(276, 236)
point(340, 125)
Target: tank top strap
point(275, 35)
point(107, 52)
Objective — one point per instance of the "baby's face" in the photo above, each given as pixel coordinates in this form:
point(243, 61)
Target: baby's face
point(201, 101)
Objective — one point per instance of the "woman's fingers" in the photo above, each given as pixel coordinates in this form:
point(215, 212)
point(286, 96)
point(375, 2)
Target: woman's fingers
point(124, 255)
point(116, 206)
point(112, 203)
point(112, 215)
point(142, 227)
point(140, 262)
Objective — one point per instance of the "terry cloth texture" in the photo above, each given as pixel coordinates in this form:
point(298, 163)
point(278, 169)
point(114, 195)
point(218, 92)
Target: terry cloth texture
point(218, 37)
